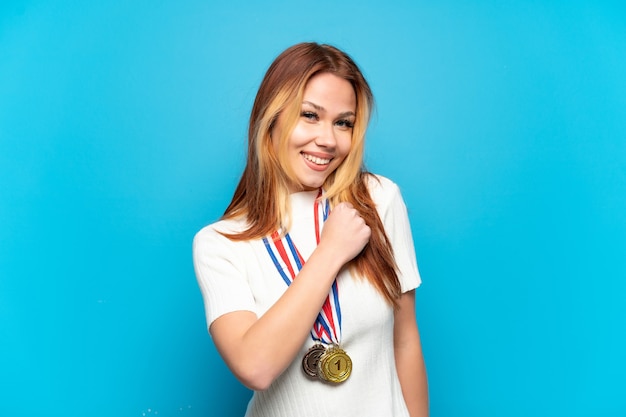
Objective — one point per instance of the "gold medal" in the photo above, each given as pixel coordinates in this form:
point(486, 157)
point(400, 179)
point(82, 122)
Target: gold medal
point(334, 365)
point(311, 358)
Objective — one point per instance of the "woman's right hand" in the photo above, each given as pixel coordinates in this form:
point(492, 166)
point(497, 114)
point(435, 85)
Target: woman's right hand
point(345, 233)
point(259, 349)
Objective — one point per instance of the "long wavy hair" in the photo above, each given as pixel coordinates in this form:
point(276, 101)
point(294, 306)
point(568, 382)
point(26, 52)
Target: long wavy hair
point(261, 197)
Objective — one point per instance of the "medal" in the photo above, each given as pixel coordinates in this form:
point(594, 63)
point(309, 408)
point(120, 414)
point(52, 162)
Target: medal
point(334, 365)
point(311, 358)
point(331, 364)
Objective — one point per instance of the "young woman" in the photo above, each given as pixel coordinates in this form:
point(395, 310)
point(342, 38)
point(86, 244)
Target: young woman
point(309, 277)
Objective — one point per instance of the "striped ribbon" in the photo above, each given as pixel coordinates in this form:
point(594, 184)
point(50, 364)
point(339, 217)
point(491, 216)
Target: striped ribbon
point(327, 326)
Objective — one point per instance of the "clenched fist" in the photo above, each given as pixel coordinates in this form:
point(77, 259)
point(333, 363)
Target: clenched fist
point(345, 232)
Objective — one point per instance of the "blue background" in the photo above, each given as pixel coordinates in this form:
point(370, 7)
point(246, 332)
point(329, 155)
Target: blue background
point(122, 131)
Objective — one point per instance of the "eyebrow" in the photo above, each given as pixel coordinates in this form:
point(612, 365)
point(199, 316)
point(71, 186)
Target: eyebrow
point(322, 109)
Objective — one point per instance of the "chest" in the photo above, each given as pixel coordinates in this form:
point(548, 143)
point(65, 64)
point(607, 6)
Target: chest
point(363, 309)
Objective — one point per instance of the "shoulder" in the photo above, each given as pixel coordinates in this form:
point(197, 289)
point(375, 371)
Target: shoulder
point(213, 234)
point(393, 213)
point(215, 254)
point(381, 189)
point(222, 269)
point(386, 196)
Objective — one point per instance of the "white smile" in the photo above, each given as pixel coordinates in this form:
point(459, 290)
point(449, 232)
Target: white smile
point(315, 159)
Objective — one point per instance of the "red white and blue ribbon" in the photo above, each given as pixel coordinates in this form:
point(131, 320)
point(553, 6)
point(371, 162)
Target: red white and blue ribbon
point(327, 326)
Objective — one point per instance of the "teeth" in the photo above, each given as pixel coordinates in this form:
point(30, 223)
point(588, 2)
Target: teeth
point(316, 160)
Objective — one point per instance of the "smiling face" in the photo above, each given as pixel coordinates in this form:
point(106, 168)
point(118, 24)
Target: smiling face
point(322, 136)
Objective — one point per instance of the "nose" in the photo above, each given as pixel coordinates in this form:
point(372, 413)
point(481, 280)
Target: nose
point(326, 136)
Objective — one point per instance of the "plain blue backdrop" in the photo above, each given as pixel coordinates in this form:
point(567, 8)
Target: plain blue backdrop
point(122, 133)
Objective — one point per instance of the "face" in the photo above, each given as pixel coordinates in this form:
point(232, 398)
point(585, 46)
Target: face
point(322, 136)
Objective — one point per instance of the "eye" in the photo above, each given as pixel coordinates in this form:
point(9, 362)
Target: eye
point(345, 123)
point(310, 115)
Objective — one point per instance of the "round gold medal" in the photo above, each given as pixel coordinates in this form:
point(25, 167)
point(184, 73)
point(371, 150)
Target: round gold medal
point(311, 358)
point(334, 365)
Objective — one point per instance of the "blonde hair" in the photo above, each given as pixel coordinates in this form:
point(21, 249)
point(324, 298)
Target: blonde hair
point(261, 196)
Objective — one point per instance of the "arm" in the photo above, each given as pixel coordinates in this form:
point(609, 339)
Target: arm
point(409, 359)
point(258, 350)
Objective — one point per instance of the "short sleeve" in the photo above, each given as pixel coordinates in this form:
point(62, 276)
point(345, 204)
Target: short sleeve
point(221, 274)
point(393, 214)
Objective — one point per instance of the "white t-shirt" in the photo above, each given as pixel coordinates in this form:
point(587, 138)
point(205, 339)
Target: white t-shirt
point(241, 276)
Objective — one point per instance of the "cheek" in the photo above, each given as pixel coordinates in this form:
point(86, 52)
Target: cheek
point(275, 133)
point(299, 136)
point(344, 143)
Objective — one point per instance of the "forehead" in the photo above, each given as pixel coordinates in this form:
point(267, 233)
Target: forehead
point(331, 92)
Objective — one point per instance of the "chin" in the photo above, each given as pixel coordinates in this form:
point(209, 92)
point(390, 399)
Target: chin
point(311, 185)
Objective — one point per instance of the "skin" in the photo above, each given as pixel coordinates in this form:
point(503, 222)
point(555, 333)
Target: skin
point(254, 348)
point(409, 358)
point(321, 139)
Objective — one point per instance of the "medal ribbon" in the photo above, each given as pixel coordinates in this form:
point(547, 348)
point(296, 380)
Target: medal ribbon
point(327, 326)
